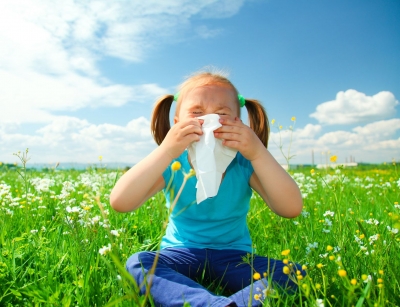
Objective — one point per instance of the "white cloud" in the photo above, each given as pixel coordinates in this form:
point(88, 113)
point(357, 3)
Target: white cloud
point(351, 107)
point(374, 142)
point(49, 51)
point(69, 139)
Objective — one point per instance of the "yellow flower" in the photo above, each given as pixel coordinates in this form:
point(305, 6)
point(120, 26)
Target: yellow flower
point(257, 297)
point(100, 158)
point(353, 281)
point(285, 261)
point(280, 127)
point(380, 280)
point(298, 272)
point(342, 273)
point(381, 272)
point(299, 277)
point(312, 171)
point(286, 270)
point(329, 248)
point(333, 159)
point(285, 252)
point(304, 267)
point(256, 276)
point(331, 257)
point(176, 166)
point(320, 265)
point(318, 286)
point(364, 277)
point(272, 121)
point(293, 118)
point(362, 236)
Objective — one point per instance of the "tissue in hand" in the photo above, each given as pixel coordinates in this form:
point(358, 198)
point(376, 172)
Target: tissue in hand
point(209, 158)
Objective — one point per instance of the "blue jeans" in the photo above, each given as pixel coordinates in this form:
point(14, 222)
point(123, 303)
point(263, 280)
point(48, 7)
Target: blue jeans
point(174, 280)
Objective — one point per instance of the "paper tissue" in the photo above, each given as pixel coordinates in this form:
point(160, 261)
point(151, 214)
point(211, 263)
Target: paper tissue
point(209, 158)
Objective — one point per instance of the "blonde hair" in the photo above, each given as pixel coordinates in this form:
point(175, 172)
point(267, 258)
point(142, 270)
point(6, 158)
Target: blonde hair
point(160, 122)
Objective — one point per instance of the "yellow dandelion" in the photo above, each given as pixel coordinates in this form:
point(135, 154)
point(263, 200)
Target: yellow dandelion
point(256, 276)
point(272, 121)
point(333, 158)
point(364, 276)
point(265, 274)
point(280, 127)
point(293, 118)
point(285, 252)
point(298, 272)
point(257, 297)
point(312, 171)
point(362, 236)
point(329, 248)
point(100, 158)
point(380, 280)
point(304, 267)
point(353, 281)
point(320, 265)
point(176, 166)
point(285, 261)
point(317, 286)
point(286, 270)
point(299, 277)
point(342, 273)
point(331, 257)
point(381, 272)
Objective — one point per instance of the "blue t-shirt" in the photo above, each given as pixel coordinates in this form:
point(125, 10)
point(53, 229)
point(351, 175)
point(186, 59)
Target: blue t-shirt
point(218, 222)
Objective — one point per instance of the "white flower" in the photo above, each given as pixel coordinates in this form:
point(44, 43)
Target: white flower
point(34, 231)
point(105, 249)
point(296, 223)
point(393, 230)
point(319, 303)
point(115, 233)
point(329, 213)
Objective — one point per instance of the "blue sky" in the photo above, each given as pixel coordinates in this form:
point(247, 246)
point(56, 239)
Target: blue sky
point(78, 79)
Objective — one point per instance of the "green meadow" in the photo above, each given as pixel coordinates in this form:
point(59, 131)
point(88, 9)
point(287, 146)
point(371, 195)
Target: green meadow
point(63, 245)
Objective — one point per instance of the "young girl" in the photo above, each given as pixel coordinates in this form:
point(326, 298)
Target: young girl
point(209, 240)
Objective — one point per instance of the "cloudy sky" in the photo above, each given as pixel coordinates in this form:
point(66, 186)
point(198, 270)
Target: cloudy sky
point(78, 79)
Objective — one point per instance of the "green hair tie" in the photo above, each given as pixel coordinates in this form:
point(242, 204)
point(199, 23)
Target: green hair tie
point(242, 100)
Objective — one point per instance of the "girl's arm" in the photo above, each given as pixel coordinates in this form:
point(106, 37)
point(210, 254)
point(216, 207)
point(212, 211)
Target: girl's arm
point(145, 178)
point(269, 179)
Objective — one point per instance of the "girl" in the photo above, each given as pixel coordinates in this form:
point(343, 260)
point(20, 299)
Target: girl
point(209, 240)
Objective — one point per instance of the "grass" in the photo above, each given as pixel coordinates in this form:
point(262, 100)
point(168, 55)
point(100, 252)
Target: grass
point(54, 224)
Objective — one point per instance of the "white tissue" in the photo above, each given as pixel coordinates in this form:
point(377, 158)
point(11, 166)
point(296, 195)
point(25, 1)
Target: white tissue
point(209, 158)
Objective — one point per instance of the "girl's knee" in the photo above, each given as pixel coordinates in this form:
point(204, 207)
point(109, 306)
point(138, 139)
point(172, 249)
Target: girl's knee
point(139, 260)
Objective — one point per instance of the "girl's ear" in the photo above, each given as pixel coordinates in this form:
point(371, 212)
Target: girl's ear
point(176, 119)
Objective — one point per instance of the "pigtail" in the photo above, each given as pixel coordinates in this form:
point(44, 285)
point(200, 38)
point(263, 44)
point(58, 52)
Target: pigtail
point(160, 124)
point(258, 120)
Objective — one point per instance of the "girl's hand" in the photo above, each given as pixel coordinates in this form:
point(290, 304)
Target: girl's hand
point(238, 136)
point(181, 135)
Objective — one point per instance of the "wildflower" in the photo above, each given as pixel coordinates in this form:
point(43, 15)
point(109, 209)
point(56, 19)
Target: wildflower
point(342, 273)
point(333, 158)
point(353, 281)
point(115, 233)
point(381, 272)
point(286, 270)
point(393, 230)
point(329, 248)
point(105, 249)
point(331, 257)
point(257, 297)
point(33, 231)
point(285, 252)
point(256, 276)
point(319, 303)
point(176, 166)
point(329, 213)
point(380, 280)
point(304, 267)
point(366, 278)
point(280, 128)
point(293, 119)
point(285, 261)
point(317, 286)
point(100, 158)
point(312, 172)
point(320, 265)
point(272, 121)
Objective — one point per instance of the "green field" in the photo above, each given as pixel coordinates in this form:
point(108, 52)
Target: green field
point(63, 245)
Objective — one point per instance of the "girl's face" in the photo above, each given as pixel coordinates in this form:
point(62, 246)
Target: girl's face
point(208, 99)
